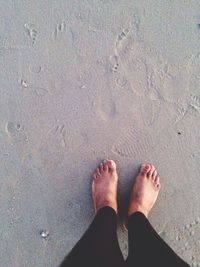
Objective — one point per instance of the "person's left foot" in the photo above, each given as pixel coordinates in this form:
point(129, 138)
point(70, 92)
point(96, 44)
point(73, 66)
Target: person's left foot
point(104, 186)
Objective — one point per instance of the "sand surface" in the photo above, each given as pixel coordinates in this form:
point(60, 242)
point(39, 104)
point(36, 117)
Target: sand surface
point(81, 81)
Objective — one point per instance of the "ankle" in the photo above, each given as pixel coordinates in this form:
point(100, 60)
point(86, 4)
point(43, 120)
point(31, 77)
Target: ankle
point(107, 204)
point(137, 208)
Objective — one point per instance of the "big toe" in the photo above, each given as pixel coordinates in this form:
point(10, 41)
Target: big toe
point(145, 168)
point(111, 165)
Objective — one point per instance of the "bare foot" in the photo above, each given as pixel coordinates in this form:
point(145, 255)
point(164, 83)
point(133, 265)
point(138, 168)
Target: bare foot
point(145, 190)
point(104, 186)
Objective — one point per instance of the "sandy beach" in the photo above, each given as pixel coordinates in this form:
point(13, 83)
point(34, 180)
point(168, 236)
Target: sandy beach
point(83, 81)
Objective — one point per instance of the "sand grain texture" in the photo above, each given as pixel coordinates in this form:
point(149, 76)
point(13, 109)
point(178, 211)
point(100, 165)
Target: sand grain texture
point(82, 81)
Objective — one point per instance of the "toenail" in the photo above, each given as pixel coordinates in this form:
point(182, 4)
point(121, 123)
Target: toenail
point(111, 164)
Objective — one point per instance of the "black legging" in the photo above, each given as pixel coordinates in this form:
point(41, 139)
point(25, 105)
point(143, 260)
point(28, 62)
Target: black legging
point(99, 245)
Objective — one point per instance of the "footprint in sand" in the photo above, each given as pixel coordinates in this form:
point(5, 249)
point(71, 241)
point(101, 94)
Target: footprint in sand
point(61, 139)
point(52, 148)
point(15, 132)
point(195, 102)
point(106, 109)
point(133, 143)
point(31, 32)
point(140, 139)
point(138, 62)
point(152, 83)
point(188, 98)
point(38, 90)
point(114, 64)
point(185, 239)
point(60, 28)
point(188, 238)
point(194, 74)
point(193, 82)
point(180, 86)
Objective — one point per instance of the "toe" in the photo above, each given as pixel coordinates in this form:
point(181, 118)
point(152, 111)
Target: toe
point(150, 172)
point(154, 175)
point(144, 168)
point(111, 165)
point(94, 176)
point(157, 180)
point(101, 167)
point(97, 172)
point(158, 186)
point(105, 165)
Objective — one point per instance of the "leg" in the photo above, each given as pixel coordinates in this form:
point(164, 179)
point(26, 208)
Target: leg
point(146, 248)
point(99, 246)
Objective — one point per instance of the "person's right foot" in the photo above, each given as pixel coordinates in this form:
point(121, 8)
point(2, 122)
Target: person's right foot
point(145, 190)
point(104, 186)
